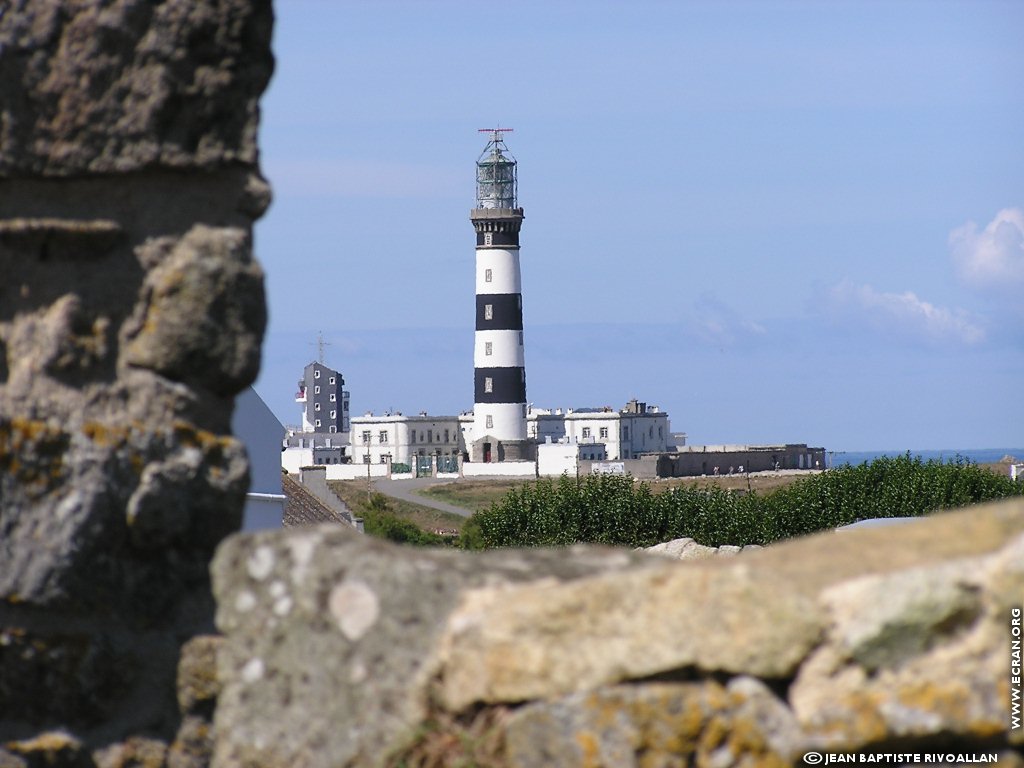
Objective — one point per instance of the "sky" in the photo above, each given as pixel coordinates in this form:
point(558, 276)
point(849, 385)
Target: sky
point(777, 221)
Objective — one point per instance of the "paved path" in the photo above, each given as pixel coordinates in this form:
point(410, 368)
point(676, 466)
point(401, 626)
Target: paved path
point(403, 489)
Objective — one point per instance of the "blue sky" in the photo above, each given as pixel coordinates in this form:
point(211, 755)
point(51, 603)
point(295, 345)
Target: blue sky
point(779, 221)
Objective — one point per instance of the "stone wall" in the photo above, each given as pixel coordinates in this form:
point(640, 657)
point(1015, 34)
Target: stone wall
point(344, 651)
point(131, 312)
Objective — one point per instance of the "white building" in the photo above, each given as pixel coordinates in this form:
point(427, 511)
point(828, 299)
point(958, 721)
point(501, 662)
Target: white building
point(635, 430)
point(396, 438)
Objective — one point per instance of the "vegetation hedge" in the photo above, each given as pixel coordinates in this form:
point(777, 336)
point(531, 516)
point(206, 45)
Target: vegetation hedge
point(606, 509)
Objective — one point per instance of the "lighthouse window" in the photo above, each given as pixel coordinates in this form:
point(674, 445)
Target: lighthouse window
point(316, 390)
point(520, 338)
point(488, 384)
point(333, 397)
point(488, 274)
point(488, 311)
point(316, 406)
point(488, 347)
point(490, 422)
point(316, 374)
point(334, 414)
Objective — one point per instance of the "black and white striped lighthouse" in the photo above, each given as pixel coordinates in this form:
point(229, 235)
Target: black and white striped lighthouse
point(499, 370)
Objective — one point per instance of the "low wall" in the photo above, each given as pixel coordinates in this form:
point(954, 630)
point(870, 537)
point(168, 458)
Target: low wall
point(878, 640)
point(500, 469)
point(355, 471)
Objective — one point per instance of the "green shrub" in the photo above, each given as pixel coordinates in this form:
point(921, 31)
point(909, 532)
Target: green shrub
point(607, 509)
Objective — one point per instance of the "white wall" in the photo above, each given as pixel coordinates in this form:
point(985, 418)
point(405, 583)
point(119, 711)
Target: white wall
point(293, 459)
point(556, 459)
point(355, 471)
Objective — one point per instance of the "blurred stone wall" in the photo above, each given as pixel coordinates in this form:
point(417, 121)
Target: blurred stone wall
point(345, 651)
point(131, 313)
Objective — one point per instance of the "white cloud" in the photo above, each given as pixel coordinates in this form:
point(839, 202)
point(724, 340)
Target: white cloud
point(991, 260)
point(715, 322)
point(901, 314)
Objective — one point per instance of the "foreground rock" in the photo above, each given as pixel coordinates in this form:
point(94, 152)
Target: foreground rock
point(131, 312)
point(597, 657)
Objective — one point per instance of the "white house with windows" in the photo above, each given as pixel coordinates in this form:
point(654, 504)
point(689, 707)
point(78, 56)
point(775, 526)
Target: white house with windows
point(625, 434)
point(396, 438)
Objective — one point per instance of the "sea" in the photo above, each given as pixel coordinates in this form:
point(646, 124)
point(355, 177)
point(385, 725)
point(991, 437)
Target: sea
point(974, 455)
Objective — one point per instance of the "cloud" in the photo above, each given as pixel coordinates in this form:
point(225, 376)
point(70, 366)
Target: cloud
point(992, 260)
point(716, 323)
point(902, 315)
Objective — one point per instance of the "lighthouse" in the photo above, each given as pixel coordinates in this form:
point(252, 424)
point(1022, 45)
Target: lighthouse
point(499, 370)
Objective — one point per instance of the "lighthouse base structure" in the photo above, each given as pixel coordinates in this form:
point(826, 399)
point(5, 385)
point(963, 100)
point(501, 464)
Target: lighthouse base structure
point(488, 449)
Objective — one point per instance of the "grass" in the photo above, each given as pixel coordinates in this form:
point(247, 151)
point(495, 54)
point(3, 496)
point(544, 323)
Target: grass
point(353, 493)
point(474, 495)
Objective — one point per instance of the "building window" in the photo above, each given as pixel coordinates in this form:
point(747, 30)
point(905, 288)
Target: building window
point(316, 406)
point(488, 347)
point(334, 397)
point(366, 459)
point(366, 436)
point(446, 435)
point(316, 390)
point(660, 433)
point(487, 275)
point(586, 432)
point(488, 384)
point(316, 374)
point(604, 433)
point(488, 311)
point(334, 414)
point(430, 435)
point(489, 422)
point(651, 431)
point(330, 380)
point(383, 436)
point(412, 436)
point(317, 423)
point(384, 458)
point(625, 433)
point(332, 429)
point(344, 405)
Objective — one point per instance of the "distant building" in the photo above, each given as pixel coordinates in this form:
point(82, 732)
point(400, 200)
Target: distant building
point(738, 459)
point(634, 430)
point(398, 439)
point(325, 401)
point(323, 437)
